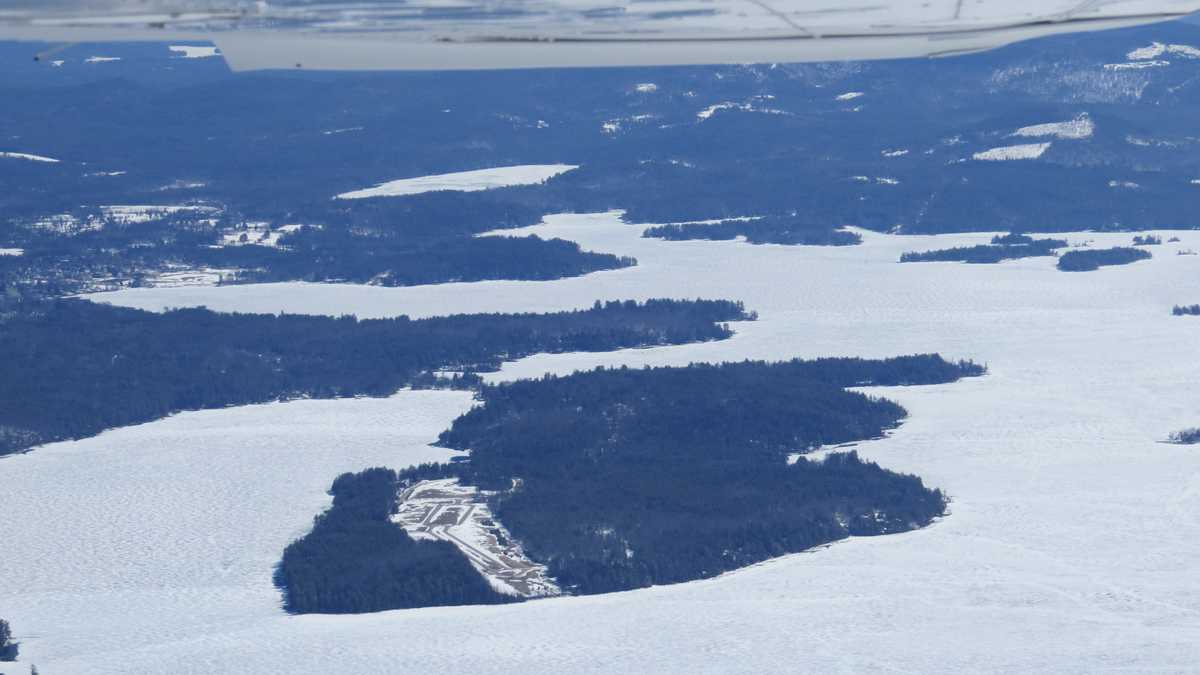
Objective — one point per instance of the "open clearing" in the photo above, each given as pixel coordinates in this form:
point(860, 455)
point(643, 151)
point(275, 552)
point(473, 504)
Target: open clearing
point(443, 509)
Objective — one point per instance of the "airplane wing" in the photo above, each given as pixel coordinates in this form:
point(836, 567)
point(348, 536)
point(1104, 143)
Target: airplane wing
point(493, 34)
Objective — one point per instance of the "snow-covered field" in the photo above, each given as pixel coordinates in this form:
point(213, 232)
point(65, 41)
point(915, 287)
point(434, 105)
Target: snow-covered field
point(175, 277)
point(1079, 128)
point(1011, 152)
point(465, 181)
point(444, 510)
point(1070, 546)
point(128, 215)
point(194, 52)
point(257, 234)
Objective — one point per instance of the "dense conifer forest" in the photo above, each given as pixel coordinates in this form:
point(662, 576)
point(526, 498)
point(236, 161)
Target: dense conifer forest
point(8, 648)
point(1006, 247)
point(1185, 436)
point(1087, 260)
point(1186, 310)
point(634, 477)
point(356, 560)
point(765, 230)
point(74, 368)
point(420, 239)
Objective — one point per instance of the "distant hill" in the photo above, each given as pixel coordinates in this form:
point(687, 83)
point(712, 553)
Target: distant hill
point(1085, 131)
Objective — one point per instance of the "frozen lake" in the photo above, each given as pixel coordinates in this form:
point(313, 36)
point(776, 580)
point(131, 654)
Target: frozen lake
point(1070, 545)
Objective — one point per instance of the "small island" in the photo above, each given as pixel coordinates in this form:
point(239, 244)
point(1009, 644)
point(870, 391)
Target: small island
point(1186, 310)
point(789, 230)
point(1087, 260)
point(1003, 247)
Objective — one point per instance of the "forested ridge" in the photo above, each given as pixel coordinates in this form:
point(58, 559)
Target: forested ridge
point(356, 560)
point(73, 368)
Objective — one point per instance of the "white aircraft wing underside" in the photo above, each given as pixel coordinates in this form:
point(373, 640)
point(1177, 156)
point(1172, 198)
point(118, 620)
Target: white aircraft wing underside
point(485, 34)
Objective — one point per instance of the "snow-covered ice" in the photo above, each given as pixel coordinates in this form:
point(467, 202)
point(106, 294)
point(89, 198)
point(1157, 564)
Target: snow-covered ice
point(101, 59)
point(1070, 545)
point(646, 87)
point(1079, 128)
point(12, 251)
point(1011, 152)
point(465, 181)
point(194, 52)
point(28, 157)
point(894, 153)
point(849, 96)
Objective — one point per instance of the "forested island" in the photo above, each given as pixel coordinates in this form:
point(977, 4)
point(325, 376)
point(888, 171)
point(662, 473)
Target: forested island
point(73, 368)
point(633, 477)
point(773, 229)
point(1003, 247)
point(1087, 260)
point(1186, 310)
